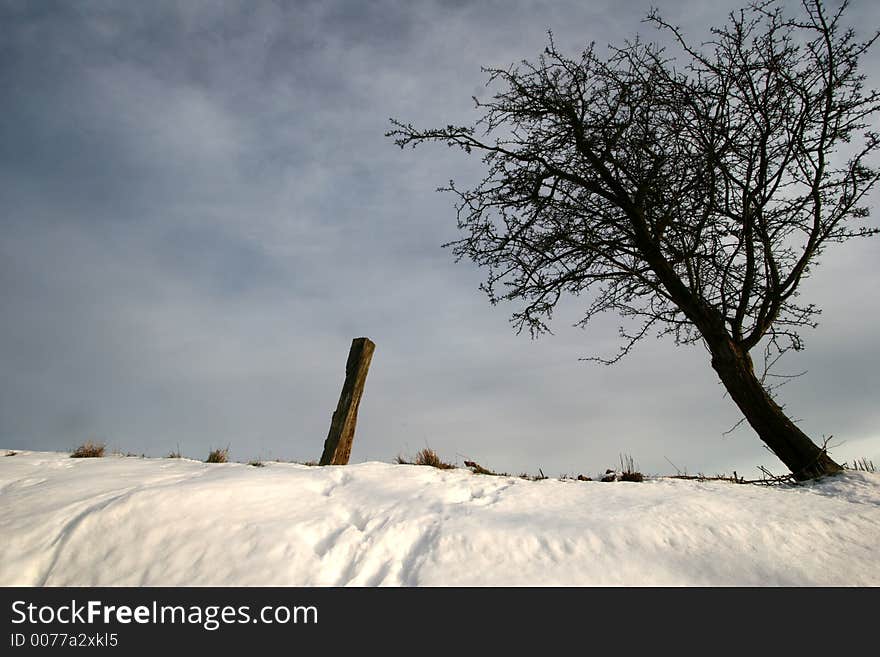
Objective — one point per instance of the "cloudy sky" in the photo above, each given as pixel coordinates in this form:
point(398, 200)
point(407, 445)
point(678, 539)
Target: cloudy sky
point(199, 211)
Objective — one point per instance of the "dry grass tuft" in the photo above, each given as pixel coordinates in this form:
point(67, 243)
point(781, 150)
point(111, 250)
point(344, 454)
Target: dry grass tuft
point(863, 464)
point(89, 450)
point(257, 464)
point(218, 455)
point(428, 457)
point(627, 472)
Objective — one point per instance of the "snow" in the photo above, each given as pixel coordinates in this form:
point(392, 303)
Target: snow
point(175, 522)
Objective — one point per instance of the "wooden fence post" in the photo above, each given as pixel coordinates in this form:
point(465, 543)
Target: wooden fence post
point(337, 447)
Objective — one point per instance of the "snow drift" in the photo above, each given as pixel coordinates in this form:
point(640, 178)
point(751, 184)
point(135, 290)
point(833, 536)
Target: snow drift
point(176, 522)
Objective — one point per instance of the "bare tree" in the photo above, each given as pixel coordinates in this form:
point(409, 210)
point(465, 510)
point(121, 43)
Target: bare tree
point(692, 193)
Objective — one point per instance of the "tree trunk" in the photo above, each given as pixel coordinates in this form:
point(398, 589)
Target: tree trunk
point(802, 456)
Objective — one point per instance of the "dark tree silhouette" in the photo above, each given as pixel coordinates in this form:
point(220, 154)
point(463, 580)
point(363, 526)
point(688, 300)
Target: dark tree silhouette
point(692, 193)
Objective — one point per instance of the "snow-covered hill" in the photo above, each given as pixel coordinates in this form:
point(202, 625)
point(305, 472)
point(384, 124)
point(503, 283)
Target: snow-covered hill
point(135, 521)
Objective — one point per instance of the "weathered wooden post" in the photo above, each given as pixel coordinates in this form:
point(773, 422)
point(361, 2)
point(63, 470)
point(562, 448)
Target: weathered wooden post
point(337, 447)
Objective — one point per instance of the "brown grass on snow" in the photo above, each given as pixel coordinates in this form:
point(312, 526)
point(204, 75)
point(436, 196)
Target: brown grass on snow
point(89, 450)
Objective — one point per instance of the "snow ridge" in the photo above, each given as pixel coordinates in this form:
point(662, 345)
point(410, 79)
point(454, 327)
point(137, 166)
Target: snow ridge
point(176, 522)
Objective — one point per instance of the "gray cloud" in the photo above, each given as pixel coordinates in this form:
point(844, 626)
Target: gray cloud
point(199, 211)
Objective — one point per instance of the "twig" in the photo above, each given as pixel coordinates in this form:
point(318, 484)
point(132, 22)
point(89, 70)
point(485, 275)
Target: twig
point(677, 470)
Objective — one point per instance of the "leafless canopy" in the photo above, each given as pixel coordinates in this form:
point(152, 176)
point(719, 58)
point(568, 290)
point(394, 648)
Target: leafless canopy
point(691, 187)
